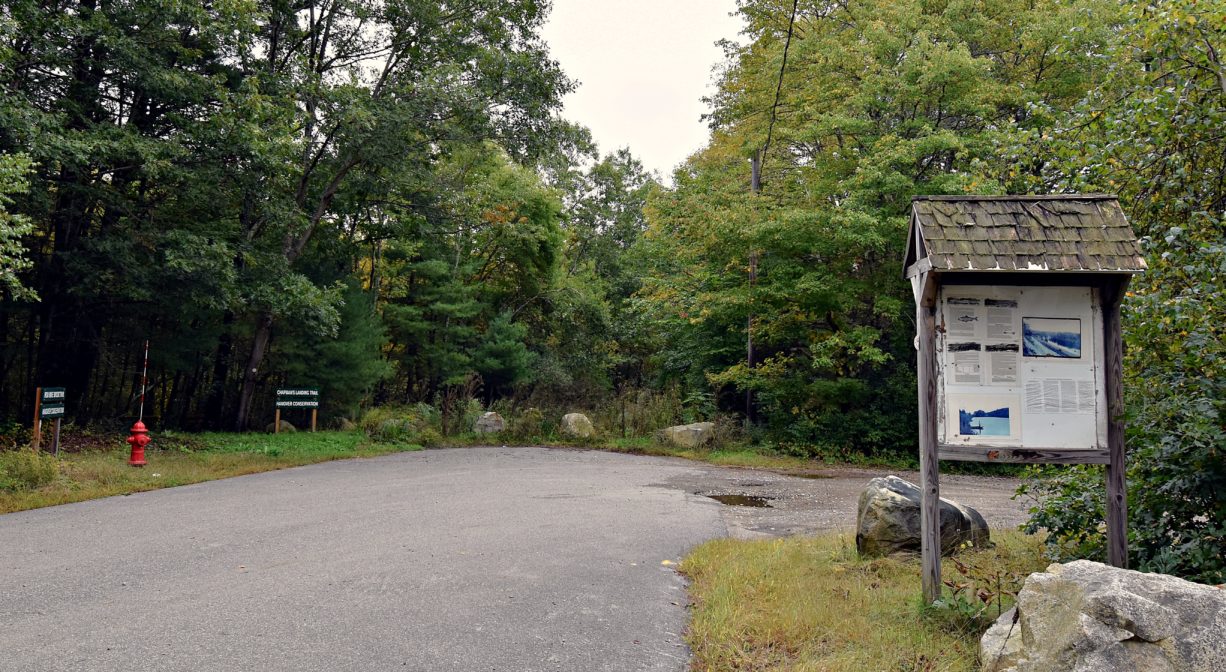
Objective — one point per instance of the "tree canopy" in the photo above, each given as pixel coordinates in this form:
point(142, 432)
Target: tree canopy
point(381, 198)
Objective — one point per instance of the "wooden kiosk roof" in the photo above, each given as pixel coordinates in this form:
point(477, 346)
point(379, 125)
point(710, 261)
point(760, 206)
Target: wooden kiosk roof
point(1061, 233)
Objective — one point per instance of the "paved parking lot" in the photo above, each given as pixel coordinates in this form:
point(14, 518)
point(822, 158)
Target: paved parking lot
point(463, 559)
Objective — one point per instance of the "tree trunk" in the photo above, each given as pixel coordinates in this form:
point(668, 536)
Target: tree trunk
point(259, 345)
point(215, 402)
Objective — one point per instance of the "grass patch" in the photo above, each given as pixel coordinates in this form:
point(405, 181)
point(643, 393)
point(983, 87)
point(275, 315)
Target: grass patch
point(96, 465)
point(731, 454)
point(177, 459)
point(811, 603)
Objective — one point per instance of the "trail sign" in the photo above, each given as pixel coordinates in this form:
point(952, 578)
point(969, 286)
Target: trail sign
point(48, 403)
point(52, 405)
point(297, 397)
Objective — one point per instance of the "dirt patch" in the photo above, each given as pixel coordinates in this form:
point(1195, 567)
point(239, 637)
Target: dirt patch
point(752, 501)
point(826, 499)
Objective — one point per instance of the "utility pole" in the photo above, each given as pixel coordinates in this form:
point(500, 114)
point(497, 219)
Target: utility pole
point(755, 186)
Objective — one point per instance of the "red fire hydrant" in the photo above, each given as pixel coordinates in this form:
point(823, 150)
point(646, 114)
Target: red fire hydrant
point(138, 440)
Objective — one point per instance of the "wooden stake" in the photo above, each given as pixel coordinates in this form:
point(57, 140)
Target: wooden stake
point(314, 415)
point(276, 424)
point(930, 479)
point(1117, 490)
point(38, 420)
point(56, 440)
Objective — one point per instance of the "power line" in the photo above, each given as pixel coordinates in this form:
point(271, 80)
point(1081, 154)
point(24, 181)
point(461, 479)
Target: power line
point(770, 129)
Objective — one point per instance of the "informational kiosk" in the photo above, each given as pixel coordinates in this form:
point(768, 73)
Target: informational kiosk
point(1018, 331)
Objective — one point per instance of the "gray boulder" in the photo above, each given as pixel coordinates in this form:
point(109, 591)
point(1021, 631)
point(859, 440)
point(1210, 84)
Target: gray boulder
point(1089, 617)
point(489, 423)
point(577, 425)
point(285, 427)
point(888, 520)
point(345, 425)
point(689, 436)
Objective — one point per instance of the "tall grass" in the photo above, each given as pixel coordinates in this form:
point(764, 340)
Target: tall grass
point(24, 469)
point(103, 473)
point(811, 603)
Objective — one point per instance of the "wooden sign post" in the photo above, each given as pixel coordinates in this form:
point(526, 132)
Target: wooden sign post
point(297, 397)
point(48, 403)
point(1020, 349)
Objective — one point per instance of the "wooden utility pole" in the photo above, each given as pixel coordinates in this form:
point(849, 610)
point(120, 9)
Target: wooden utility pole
point(755, 186)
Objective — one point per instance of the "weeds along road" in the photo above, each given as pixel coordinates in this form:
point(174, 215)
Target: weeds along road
point(464, 559)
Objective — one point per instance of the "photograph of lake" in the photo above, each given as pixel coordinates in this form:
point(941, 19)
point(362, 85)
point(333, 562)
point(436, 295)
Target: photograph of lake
point(1051, 337)
point(980, 422)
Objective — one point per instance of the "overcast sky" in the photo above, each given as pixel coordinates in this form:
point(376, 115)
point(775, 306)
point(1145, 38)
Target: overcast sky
point(643, 68)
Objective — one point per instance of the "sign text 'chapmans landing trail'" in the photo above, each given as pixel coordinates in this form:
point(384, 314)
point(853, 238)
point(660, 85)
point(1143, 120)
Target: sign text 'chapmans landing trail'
point(298, 397)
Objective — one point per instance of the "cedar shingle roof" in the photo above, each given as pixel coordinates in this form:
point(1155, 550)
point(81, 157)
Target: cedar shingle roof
point(1068, 232)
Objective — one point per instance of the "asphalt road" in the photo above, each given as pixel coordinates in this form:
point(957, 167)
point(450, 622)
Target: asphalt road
point(509, 559)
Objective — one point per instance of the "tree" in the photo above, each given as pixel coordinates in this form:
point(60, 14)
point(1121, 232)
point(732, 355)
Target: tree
point(483, 263)
point(193, 163)
point(13, 254)
point(597, 340)
point(879, 101)
point(374, 86)
point(107, 100)
point(1154, 134)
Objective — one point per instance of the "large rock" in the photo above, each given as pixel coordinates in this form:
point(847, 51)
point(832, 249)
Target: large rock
point(1088, 617)
point(489, 423)
point(285, 427)
point(689, 436)
point(578, 425)
point(888, 520)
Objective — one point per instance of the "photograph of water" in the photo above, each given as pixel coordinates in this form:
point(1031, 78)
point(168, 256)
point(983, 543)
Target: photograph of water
point(1051, 337)
point(980, 422)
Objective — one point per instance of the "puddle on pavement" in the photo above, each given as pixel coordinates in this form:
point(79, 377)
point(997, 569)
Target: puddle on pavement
point(742, 500)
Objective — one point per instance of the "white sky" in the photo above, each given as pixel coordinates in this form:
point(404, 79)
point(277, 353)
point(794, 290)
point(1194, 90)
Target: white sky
point(643, 67)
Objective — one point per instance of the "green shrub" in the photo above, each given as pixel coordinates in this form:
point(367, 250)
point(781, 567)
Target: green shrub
point(427, 416)
point(391, 430)
point(728, 430)
point(21, 469)
point(472, 412)
point(1175, 517)
point(640, 413)
point(532, 423)
point(13, 435)
point(1152, 134)
point(418, 424)
point(427, 438)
